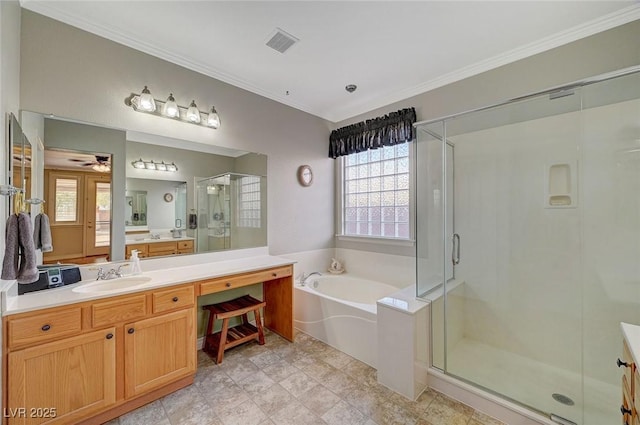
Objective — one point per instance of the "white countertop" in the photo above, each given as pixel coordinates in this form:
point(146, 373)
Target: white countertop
point(13, 303)
point(142, 241)
point(632, 334)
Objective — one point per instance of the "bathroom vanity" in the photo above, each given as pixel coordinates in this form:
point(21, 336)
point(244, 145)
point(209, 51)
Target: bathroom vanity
point(73, 356)
point(630, 407)
point(160, 247)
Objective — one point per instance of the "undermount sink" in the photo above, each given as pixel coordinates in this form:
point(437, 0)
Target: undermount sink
point(113, 285)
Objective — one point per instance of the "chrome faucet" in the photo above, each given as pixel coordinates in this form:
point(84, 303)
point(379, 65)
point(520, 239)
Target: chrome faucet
point(303, 277)
point(111, 274)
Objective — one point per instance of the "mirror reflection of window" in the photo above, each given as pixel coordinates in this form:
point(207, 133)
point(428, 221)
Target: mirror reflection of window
point(249, 201)
point(66, 196)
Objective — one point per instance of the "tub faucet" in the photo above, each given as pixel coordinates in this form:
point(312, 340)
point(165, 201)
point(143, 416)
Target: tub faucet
point(303, 277)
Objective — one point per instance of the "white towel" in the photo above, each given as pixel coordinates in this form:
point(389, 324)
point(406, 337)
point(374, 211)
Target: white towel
point(42, 233)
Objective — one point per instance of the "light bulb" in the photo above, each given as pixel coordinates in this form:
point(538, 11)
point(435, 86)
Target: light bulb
point(193, 114)
point(102, 168)
point(171, 107)
point(172, 167)
point(150, 165)
point(146, 101)
point(213, 120)
point(161, 167)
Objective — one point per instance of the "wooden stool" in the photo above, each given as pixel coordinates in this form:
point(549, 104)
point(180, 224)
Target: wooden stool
point(216, 343)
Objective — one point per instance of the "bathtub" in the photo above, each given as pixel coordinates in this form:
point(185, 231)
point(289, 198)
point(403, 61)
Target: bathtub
point(340, 310)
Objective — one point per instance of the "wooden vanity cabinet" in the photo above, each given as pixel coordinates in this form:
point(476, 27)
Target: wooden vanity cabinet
point(64, 381)
point(92, 361)
point(158, 249)
point(630, 380)
point(125, 351)
point(158, 350)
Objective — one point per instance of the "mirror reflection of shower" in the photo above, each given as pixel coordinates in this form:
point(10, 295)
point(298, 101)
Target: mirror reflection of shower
point(231, 211)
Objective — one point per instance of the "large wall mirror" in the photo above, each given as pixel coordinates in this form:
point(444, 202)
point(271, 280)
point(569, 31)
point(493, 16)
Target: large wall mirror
point(104, 198)
point(20, 155)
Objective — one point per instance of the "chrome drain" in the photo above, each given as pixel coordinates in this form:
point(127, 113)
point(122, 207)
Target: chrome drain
point(561, 398)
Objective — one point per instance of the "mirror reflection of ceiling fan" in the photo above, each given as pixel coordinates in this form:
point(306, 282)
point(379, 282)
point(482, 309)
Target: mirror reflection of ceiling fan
point(101, 164)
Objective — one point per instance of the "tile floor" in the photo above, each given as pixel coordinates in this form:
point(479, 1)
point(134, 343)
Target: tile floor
point(307, 382)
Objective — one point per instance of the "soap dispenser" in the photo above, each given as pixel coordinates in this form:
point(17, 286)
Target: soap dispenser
point(135, 262)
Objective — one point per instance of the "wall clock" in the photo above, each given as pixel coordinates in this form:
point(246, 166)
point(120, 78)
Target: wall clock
point(305, 175)
point(168, 197)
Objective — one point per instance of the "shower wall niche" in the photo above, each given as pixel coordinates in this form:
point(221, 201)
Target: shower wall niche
point(561, 185)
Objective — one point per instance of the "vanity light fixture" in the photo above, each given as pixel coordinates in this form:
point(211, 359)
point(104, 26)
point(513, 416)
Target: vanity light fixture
point(145, 102)
point(151, 165)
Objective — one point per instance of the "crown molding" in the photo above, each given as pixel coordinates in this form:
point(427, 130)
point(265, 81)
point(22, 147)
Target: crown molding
point(48, 9)
point(603, 23)
point(606, 22)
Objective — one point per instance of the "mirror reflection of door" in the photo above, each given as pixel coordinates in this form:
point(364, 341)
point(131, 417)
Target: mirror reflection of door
point(98, 224)
point(78, 203)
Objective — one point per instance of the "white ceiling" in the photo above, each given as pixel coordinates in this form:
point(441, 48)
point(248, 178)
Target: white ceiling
point(390, 49)
point(67, 160)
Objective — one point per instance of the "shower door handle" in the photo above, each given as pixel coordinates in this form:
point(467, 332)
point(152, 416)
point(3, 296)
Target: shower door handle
point(455, 249)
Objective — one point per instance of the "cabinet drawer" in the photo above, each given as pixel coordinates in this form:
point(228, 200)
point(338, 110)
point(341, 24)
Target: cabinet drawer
point(172, 299)
point(119, 310)
point(142, 250)
point(222, 284)
point(44, 327)
point(185, 244)
point(161, 247)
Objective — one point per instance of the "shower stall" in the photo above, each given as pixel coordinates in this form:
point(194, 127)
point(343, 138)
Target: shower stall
point(231, 211)
point(528, 244)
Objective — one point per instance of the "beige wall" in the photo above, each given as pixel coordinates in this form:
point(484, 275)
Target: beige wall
point(607, 51)
point(74, 74)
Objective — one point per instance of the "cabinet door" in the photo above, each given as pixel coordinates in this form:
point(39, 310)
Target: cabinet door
point(62, 381)
point(159, 350)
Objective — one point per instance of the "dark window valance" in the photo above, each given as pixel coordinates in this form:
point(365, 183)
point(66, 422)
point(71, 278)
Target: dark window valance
point(391, 129)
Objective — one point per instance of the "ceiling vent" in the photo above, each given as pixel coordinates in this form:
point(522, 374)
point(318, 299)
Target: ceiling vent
point(281, 40)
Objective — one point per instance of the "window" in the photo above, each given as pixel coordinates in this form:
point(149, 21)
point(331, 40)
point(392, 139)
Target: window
point(249, 201)
point(66, 198)
point(376, 194)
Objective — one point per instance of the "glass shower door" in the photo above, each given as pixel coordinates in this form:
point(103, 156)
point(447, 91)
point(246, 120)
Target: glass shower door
point(508, 316)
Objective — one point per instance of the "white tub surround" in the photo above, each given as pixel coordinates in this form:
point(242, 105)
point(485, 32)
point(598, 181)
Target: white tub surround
point(403, 335)
point(341, 312)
